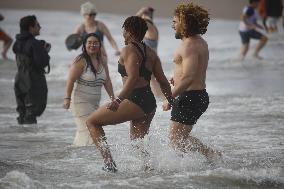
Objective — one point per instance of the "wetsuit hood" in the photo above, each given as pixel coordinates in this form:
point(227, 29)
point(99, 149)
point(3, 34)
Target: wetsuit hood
point(21, 39)
point(24, 36)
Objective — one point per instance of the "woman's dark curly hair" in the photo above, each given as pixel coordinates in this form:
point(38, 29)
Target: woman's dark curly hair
point(136, 26)
point(85, 55)
point(194, 19)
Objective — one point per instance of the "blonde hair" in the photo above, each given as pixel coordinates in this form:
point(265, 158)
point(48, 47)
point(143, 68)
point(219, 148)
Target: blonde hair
point(88, 8)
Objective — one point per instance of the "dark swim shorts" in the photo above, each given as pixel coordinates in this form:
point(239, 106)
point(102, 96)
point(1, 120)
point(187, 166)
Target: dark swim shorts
point(189, 106)
point(247, 35)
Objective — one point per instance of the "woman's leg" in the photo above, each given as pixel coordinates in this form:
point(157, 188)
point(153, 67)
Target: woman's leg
point(138, 129)
point(102, 116)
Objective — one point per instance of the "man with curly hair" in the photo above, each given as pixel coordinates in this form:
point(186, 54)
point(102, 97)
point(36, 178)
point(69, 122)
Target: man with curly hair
point(189, 92)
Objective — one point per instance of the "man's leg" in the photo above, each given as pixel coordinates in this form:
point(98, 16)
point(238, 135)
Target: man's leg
point(182, 140)
point(259, 46)
point(244, 50)
point(21, 109)
point(30, 117)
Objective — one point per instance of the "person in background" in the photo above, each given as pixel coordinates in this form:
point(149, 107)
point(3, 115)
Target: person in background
point(32, 59)
point(151, 39)
point(190, 96)
point(91, 25)
point(247, 30)
point(273, 10)
point(7, 40)
point(262, 13)
point(89, 72)
point(135, 102)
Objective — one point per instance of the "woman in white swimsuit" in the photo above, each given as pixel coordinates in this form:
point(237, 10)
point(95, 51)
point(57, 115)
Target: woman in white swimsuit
point(89, 72)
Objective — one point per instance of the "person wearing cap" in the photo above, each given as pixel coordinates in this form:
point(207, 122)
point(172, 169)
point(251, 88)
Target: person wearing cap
point(91, 25)
point(151, 39)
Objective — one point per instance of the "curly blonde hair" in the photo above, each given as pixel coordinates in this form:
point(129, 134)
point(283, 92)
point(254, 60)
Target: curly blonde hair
point(194, 19)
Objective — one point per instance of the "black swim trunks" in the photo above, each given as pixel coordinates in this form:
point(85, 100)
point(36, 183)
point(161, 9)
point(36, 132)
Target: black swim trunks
point(189, 106)
point(144, 98)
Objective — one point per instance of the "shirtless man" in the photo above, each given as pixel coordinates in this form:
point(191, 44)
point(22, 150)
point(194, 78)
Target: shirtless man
point(151, 39)
point(191, 61)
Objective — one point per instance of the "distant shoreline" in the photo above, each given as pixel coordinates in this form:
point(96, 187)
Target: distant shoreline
point(225, 9)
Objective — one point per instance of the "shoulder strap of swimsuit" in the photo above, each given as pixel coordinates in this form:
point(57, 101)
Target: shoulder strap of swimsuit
point(141, 52)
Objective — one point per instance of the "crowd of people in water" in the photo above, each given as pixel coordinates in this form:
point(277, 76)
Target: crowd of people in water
point(141, 71)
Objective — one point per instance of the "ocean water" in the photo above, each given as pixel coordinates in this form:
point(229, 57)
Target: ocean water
point(245, 119)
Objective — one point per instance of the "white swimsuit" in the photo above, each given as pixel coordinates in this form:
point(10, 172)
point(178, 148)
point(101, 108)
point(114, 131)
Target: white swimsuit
point(86, 98)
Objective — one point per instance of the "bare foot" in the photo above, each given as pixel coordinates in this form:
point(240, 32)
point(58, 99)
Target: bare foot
point(4, 56)
point(256, 56)
point(241, 58)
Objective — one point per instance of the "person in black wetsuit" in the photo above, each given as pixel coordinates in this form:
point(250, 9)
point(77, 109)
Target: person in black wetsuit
point(32, 59)
point(135, 102)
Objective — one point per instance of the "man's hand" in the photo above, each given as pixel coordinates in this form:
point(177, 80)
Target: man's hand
point(47, 46)
point(166, 106)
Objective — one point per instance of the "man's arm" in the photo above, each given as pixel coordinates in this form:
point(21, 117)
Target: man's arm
point(40, 55)
point(189, 68)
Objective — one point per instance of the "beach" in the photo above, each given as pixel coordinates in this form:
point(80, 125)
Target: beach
point(225, 9)
point(245, 118)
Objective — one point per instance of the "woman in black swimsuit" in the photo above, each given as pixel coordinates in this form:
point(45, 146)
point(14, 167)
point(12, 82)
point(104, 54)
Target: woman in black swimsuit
point(135, 102)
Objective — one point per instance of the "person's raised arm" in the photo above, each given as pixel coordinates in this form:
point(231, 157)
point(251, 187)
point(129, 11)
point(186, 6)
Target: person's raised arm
point(141, 11)
point(79, 29)
point(106, 32)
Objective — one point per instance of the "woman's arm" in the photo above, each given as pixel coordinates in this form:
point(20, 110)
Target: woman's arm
point(106, 32)
point(75, 71)
point(108, 83)
point(79, 29)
